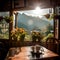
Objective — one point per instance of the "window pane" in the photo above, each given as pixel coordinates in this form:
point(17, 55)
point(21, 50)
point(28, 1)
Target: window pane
point(4, 26)
point(36, 20)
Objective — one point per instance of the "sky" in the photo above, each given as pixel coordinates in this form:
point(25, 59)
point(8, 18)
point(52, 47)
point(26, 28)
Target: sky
point(36, 12)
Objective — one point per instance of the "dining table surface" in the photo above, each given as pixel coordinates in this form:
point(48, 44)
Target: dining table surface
point(24, 53)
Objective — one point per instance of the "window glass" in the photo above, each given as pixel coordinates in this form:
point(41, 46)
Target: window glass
point(4, 26)
point(39, 21)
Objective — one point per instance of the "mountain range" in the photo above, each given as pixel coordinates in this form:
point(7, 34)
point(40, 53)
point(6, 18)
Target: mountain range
point(31, 22)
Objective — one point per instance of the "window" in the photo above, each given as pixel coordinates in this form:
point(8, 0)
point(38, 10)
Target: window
point(4, 26)
point(32, 20)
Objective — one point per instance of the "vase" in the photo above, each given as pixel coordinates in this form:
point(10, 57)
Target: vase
point(22, 37)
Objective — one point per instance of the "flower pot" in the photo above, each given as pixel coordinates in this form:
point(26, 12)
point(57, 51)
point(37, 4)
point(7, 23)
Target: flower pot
point(33, 53)
point(37, 54)
point(22, 37)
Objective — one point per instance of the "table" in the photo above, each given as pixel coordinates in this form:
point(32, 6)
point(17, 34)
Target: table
point(24, 53)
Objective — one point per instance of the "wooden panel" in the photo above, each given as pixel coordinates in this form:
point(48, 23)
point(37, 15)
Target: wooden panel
point(45, 3)
point(31, 4)
point(18, 3)
point(41, 3)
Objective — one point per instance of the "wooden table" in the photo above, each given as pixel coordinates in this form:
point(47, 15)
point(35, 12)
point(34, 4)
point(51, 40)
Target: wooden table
point(24, 53)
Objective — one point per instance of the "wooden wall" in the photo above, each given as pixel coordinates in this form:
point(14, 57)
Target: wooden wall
point(7, 5)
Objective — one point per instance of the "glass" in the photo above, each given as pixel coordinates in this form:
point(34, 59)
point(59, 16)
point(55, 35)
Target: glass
point(31, 21)
point(4, 26)
point(42, 50)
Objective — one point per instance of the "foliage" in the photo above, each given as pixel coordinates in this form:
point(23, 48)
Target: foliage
point(52, 16)
point(8, 19)
point(50, 35)
point(49, 29)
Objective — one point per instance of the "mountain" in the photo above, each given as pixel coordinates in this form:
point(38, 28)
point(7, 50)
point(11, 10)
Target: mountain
point(52, 22)
point(31, 23)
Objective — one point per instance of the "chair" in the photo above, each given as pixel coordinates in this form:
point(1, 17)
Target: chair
point(52, 44)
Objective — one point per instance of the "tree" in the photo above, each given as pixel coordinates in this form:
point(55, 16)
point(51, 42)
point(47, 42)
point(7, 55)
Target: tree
point(49, 29)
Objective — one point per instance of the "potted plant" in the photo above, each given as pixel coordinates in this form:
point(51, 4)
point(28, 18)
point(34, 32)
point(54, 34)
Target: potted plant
point(18, 34)
point(14, 34)
point(36, 36)
point(22, 34)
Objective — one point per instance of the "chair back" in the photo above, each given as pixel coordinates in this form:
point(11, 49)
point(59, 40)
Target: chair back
point(52, 44)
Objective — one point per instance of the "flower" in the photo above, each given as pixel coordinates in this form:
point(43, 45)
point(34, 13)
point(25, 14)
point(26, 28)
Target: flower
point(36, 36)
point(18, 33)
